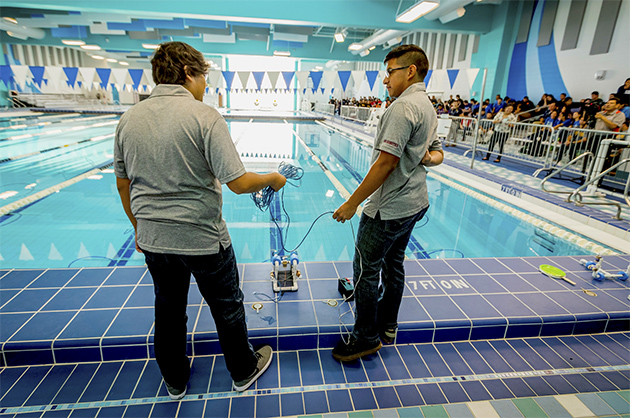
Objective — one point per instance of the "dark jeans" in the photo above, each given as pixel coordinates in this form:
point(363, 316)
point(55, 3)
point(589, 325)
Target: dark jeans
point(218, 281)
point(380, 252)
point(499, 137)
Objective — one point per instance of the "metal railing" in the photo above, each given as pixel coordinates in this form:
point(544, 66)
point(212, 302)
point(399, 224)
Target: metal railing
point(516, 140)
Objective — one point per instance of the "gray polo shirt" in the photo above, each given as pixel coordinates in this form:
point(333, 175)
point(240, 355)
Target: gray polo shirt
point(617, 117)
point(407, 130)
point(176, 151)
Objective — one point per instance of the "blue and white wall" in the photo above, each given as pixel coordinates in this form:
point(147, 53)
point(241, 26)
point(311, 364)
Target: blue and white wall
point(535, 70)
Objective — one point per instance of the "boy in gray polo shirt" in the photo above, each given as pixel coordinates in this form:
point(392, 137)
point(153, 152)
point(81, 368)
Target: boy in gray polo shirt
point(396, 189)
point(171, 154)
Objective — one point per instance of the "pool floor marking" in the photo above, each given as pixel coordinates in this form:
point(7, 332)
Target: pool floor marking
point(30, 154)
point(296, 389)
point(336, 183)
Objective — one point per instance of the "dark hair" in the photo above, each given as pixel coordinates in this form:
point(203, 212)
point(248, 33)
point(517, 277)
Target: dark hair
point(615, 98)
point(595, 92)
point(410, 55)
point(169, 60)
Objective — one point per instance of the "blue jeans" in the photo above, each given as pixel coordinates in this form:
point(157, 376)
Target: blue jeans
point(380, 254)
point(218, 281)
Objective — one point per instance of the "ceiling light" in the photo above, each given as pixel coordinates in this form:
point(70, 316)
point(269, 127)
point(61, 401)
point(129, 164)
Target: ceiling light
point(281, 54)
point(11, 19)
point(111, 60)
point(355, 47)
point(372, 48)
point(98, 57)
point(364, 53)
point(416, 11)
point(72, 42)
point(340, 35)
point(150, 46)
point(91, 47)
point(318, 68)
point(123, 63)
point(455, 14)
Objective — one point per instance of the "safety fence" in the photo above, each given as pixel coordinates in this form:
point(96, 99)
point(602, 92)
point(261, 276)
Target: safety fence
point(542, 146)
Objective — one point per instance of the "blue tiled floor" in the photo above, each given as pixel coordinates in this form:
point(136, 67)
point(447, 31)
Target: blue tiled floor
point(303, 382)
point(70, 315)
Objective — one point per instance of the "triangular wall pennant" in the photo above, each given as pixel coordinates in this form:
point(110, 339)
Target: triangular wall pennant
point(471, 73)
point(371, 77)
point(357, 77)
point(103, 74)
point(427, 78)
point(136, 77)
point(273, 78)
point(288, 78)
point(71, 74)
point(452, 76)
point(38, 75)
point(244, 77)
point(316, 76)
point(344, 76)
point(229, 78)
point(258, 77)
point(6, 74)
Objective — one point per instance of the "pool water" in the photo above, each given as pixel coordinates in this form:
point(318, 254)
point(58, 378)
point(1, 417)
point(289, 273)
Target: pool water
point(84, 224)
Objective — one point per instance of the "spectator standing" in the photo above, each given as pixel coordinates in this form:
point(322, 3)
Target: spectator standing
point(623, 92)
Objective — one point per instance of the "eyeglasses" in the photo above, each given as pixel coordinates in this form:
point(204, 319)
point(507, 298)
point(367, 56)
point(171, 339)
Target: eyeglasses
point(389, 71)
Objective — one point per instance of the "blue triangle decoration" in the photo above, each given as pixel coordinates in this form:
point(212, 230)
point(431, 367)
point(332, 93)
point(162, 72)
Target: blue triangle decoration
point(103, 74)
point(71, 73)
point(229, 78)
point(258, 76)
point(288, 77)
point(316, 76)
point(428, 77)
point(344, 76)
point(452, 76)
point(371, 76)
point(5, 74)
point(38, 74)
point(136, 77)
point(322, 89)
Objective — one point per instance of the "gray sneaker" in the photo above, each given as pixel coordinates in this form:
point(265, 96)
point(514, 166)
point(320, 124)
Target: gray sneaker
point(264, 355)
point(175, 394)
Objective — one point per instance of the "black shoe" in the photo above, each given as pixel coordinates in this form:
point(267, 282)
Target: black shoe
point(388, 336)
point(175, 394)
point(354, 349)
point(264, 356)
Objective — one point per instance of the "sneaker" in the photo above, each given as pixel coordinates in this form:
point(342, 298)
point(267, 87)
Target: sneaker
point(388, 335)
point(175, 394)
point(354, 349)
point(264, 356)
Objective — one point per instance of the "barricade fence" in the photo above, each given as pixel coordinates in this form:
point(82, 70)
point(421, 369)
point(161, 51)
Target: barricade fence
point(541, 145)
point(520, 141)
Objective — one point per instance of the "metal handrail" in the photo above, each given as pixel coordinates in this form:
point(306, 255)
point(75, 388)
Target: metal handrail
point(559, 170)
point(578, 196)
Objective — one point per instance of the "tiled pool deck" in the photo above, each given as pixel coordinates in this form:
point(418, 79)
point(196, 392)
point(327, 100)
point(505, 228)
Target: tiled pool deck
point(105, 314)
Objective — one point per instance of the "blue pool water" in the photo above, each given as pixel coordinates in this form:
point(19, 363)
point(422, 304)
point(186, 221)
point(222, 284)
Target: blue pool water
point(84, 224)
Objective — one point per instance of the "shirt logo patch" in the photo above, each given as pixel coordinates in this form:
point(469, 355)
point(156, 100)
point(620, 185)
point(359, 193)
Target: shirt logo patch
point(393, 144)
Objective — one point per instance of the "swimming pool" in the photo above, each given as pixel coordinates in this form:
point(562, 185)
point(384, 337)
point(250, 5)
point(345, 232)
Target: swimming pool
point(83, 224)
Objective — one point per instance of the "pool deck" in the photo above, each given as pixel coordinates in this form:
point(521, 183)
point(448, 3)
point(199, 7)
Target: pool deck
point(103, 314)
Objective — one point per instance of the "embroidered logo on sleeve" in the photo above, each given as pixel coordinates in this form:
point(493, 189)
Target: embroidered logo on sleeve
point(393, 144)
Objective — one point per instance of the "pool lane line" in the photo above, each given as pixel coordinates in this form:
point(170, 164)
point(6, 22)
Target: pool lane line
point(313, 388)
point(50, 190)
point(30, 154)
point(59, 131)
point(336, 183)
point(33, 125)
